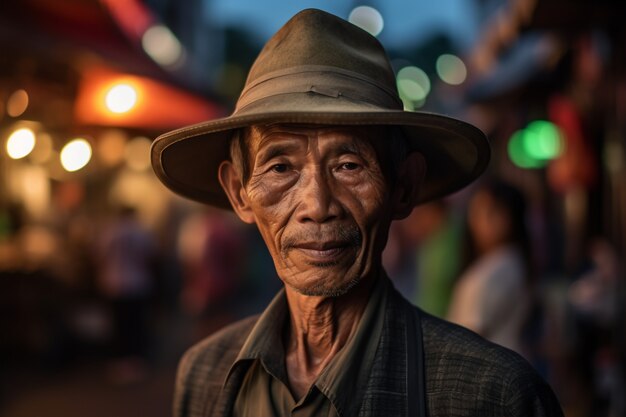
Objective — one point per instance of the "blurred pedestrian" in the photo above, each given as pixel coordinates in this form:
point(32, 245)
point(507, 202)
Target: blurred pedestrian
point(211, 245)
point(492, 296)
point(126, 255)
point(422, 255)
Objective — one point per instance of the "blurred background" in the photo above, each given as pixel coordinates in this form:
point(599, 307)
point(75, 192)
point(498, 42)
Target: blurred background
point(106, 277)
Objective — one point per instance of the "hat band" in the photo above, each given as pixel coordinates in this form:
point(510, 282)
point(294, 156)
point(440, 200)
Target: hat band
point(323, 80)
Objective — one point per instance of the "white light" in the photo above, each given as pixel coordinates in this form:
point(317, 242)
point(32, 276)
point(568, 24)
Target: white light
point(121, 98)
point(162, 46)
point(368, 19)
point(75, 155)
point(20, 143)
point(451, 69)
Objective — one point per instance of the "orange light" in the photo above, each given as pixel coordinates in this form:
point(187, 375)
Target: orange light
point(113, 99)
point(17, 103)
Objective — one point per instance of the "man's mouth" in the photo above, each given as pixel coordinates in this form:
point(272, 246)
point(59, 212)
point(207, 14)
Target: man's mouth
point(323, 252)
point(324, 248)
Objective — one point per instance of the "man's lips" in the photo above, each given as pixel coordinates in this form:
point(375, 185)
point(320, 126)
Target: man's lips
point(323, 251)
point(328, 246)
point(321, 246)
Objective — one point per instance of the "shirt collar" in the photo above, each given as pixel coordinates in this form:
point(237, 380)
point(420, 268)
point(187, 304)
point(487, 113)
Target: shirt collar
point(265, 340)
point(344, 378)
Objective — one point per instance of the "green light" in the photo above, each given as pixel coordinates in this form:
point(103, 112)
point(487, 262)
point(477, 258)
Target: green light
point(415, 75)
point(535, 145)
point(413, 87)
point(518, 154)
point(542, 140)
point(451, 69)
point(411, 90)
point(406, 102)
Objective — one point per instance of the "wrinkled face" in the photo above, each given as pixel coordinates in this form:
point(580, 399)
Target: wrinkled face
point(321, 203)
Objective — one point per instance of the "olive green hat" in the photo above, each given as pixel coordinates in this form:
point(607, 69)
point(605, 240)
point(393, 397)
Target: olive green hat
point(320, 69)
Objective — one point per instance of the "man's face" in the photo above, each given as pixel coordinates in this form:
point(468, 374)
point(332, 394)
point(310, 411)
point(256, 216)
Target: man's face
point(321, 202)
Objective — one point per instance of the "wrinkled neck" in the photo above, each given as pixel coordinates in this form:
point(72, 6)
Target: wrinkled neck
point(319, 328)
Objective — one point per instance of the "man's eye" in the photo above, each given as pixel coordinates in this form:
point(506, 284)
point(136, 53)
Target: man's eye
point(349, 166)
point(279, 168)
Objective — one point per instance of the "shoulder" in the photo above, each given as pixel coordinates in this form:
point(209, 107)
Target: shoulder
point(444, 340)
point(463, 368)
point(203, 368)
point(211, 351)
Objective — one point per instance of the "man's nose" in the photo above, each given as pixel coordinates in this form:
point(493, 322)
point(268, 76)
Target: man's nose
point(317, 200)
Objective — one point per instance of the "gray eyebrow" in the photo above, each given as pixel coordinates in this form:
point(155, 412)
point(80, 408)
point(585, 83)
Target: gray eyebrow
point(274, 150)
point(349, 148)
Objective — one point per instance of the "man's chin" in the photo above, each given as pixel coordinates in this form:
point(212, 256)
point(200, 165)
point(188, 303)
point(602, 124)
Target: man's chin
point(325, 289)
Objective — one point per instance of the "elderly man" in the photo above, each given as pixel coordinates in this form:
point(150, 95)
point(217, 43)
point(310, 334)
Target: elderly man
point(320, 155)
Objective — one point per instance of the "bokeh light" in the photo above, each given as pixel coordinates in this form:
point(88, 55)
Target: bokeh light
point(110, 147)
point(121, 98)
point(413, 87)
point(20, 143)
point(75, 154)
point(451, 69)
point(518, 155)
point(32, 186)
point(162, 46)
point(543, 140)
point(17, 103)
point(137, 153)
point(535, 145)
point(368, 19)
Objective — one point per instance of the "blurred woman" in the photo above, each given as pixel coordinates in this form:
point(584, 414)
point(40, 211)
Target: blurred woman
point(492, 296)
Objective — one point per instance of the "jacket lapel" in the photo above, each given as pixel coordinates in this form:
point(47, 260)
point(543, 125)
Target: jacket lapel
point(395, 386)
point(223, 404)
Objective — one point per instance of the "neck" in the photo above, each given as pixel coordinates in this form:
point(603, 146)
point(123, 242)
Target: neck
point(319, 328)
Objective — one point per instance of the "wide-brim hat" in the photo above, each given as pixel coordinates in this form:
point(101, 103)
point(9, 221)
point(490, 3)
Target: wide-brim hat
point(319, 69)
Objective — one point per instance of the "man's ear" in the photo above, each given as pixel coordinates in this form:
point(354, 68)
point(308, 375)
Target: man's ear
point(233, 187)
point(408, 184)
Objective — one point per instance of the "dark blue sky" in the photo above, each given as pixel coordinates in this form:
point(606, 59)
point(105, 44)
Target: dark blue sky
point(406, 21)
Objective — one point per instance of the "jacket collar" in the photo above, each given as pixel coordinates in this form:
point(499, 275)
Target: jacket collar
point(396, 380)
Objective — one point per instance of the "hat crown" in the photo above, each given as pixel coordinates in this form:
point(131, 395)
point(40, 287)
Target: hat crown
point(317, 38)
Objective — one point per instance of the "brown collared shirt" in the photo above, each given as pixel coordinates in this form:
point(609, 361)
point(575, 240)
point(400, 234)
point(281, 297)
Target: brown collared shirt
point(335, 392)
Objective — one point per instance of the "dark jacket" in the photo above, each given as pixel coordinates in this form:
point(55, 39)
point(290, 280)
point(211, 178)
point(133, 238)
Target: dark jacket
point(463, 374)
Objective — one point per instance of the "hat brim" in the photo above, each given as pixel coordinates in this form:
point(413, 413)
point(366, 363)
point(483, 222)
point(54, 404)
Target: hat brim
point(187, 160)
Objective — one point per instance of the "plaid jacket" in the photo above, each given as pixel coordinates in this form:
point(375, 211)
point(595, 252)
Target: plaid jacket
point(423, 366)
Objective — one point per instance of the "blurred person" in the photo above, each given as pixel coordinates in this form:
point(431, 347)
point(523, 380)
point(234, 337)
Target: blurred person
point(211, 245)
point(126, 253)
point(594, 299)
point(422, 255)
point(493, 295)
point(320, 156)
point(437, 229)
